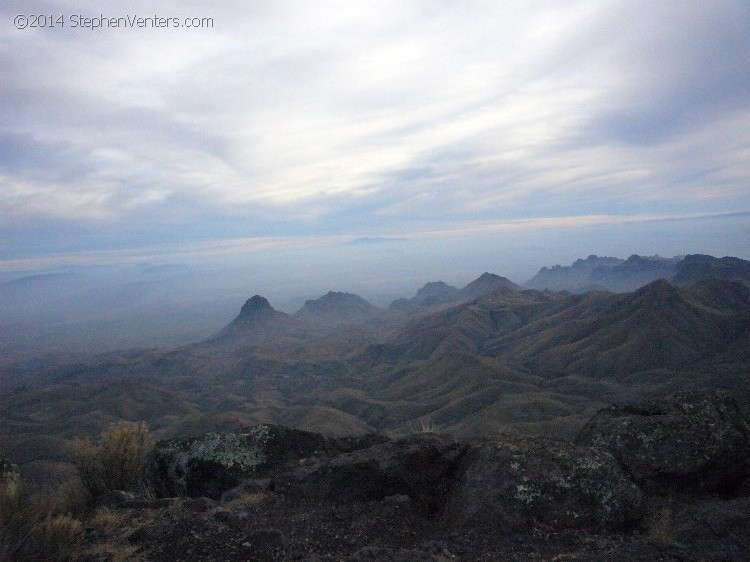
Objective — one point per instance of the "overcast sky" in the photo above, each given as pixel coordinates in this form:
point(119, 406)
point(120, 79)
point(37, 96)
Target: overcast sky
point(286, 124)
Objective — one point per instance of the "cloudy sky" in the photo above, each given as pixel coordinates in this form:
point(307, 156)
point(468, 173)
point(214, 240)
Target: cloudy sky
point(290, 124)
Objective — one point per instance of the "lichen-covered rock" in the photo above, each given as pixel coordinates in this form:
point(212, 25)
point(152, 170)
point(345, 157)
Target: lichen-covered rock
point(420, 467)
point(688, 443)
point(513, 484)
point(215, 462)
point(206, 465)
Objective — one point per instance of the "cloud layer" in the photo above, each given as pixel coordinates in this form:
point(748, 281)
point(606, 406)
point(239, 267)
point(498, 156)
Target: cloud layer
point(379, 118)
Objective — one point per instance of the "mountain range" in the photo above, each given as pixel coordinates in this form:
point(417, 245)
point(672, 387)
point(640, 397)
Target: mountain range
point(620, 275)
point(491, 356)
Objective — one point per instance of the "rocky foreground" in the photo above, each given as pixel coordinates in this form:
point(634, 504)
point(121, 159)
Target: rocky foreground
point(667, 480)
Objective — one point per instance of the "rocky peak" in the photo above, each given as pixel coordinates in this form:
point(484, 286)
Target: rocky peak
point(486, 283)
point(255, 306)
point(696, 267)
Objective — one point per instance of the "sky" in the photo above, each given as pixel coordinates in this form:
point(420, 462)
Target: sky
point(437, 131)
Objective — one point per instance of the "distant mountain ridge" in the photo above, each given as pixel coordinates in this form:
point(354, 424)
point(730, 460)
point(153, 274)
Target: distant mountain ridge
point(618, 275)
point(258, 322)
point(337, 307)
point(437, 293)
point(696, 267)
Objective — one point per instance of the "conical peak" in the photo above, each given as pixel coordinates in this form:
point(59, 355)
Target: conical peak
point(255, 305)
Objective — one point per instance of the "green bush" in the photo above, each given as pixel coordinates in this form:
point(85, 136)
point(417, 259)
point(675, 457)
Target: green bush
point(117, 462)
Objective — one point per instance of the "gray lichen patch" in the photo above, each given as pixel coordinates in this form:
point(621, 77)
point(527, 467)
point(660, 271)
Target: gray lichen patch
point(690, 442)
point(180, 467)
point(243, 450)
point(515, 482)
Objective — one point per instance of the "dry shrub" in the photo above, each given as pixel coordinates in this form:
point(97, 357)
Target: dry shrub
point(32, 527)
point(117, 462)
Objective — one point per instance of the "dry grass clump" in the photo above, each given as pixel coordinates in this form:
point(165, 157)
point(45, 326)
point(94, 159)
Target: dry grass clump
point(426, 425)
point(116, 526)
point(36, 526)
point(44, 524)
point(117, 462)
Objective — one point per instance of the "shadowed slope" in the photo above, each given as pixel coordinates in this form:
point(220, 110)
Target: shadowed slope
point(601, 335)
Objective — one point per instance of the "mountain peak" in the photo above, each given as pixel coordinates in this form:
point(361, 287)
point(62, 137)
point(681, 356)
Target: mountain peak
point(436, 291)
point(337, 306)
point(255, 305)
point(486, 283)
point(660, 292)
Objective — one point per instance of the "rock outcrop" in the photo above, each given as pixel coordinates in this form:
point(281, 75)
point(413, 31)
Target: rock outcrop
point(281, 494)
point(420, 468)
point(689, 443)
point(216, 462)
point(511, 484)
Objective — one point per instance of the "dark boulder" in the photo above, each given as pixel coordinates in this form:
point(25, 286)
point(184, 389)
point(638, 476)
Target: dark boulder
point(420, 467)
point(693, 531)
point(266, 544)
point(513, 483)
point(687, 443)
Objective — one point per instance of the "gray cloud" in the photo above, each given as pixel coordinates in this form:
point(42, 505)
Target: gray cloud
point(291, 118)
point(683, 68)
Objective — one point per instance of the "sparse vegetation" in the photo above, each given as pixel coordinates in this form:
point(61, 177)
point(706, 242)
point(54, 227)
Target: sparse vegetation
point(116, 462)
point(116, 526)
point(36, 525)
